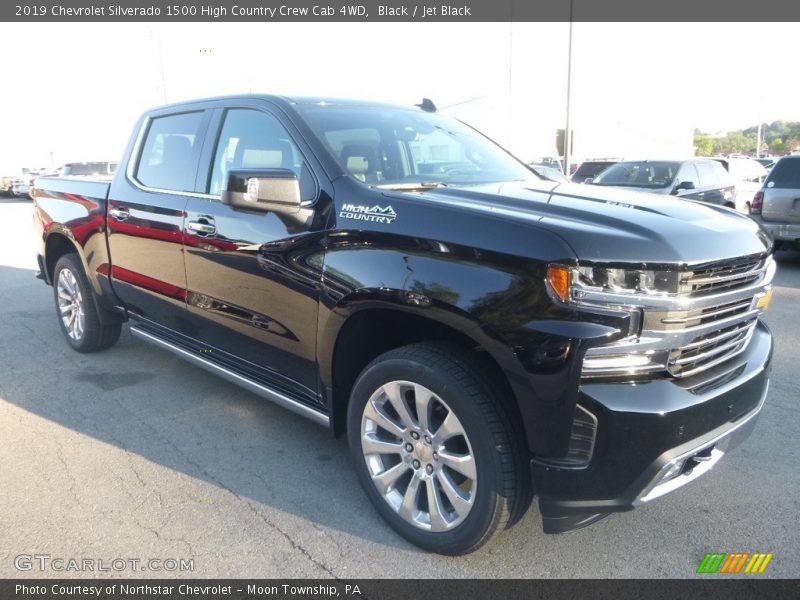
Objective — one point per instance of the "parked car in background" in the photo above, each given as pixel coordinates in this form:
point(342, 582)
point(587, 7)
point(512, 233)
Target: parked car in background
point(694, 179)
point(99, 168)
point(21, 185)
point(767, 161)
point(17, 185)
point(590, 169)
point(549, 172)
point(777, 204)
point(748, 176)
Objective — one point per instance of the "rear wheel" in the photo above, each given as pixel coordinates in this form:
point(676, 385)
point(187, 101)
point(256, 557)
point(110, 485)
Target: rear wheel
point(77, 310)
point(433, 448)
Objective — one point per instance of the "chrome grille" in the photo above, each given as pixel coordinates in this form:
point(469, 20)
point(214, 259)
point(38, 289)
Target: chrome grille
point(700, 316)
point(724, 275)
point(705, 351)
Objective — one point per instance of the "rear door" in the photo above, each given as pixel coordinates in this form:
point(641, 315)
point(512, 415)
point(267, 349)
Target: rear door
point(724, 187)
point(708, 190)
point(146, 212)
point(782, 192)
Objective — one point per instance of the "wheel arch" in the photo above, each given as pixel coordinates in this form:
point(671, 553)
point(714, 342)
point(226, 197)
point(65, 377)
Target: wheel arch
point(350, 346)
point(60, 242)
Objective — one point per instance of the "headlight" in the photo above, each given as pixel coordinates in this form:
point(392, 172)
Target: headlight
point(626, 281)
point(609, 286)
point(620, 290)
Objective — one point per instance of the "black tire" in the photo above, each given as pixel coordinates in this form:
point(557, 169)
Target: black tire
point(93, 335)
point(454, 379)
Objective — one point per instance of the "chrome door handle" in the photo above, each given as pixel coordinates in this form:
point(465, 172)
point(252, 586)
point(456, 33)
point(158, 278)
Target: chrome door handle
point(120, 214)
point(201, 228)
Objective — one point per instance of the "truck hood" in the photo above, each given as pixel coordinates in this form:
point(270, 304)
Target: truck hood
point(615, 225)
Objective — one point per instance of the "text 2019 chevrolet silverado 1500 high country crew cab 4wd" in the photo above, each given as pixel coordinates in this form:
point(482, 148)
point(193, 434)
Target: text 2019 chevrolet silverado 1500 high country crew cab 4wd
point(482, 337)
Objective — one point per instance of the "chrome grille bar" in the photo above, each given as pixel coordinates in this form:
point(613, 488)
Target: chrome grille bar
point(709, 313)
point(720, 337)
point(708, 352)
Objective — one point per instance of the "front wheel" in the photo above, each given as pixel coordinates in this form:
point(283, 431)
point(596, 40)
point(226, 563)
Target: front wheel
point(77, 311)
point(433, 448)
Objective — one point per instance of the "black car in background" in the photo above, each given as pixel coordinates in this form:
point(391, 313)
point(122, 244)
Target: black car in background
point(694, 179)
point(591, 169)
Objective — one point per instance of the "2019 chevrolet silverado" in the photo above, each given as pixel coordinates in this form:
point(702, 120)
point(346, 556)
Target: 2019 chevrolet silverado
point(482, 336)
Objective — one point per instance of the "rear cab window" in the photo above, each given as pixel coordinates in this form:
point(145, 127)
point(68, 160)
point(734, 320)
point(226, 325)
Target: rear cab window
point(785, 174)
point(170, 153)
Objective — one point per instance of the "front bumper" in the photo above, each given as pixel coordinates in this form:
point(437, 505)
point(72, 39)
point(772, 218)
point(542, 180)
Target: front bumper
point(654, 437)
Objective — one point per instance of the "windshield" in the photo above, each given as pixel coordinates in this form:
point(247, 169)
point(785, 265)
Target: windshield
point(388, 146)
point(640, 174)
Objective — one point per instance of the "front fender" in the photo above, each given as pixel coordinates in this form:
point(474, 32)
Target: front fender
point(498, 302)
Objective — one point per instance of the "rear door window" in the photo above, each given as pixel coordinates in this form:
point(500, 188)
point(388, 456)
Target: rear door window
point(706, 173)
point(170, 153)
point(688, 173)
point(722, 176)
point(785, 174)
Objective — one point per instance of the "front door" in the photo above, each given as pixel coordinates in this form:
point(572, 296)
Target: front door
point(253, 277)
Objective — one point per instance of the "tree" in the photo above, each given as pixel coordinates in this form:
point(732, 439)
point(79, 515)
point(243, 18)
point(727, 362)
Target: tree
point(703, 144)
point(776, 146)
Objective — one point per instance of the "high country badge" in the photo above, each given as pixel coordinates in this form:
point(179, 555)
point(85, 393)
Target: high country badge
point(374, 214)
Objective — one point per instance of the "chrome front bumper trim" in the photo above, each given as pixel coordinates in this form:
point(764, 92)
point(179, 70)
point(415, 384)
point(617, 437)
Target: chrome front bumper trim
point(716, 441)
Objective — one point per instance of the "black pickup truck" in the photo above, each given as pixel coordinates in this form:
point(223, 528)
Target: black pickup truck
point(482, 336)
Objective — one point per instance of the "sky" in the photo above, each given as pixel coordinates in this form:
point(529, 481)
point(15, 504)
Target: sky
point(74, 91)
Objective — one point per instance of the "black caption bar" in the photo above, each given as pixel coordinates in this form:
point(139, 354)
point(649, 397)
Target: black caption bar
point(240, 589)
point(401, 10)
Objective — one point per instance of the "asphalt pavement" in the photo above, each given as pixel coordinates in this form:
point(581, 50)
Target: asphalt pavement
point(133, 455)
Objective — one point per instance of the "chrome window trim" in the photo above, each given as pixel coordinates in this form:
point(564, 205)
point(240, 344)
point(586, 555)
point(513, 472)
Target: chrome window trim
point(133, 165)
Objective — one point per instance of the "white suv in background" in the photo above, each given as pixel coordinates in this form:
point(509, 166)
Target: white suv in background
point(748, 175)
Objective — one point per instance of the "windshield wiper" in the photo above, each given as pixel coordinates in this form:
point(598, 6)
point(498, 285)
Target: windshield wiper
point(411, 187)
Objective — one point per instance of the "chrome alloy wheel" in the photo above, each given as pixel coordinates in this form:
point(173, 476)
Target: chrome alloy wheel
point(70, 304)
point(418, 456)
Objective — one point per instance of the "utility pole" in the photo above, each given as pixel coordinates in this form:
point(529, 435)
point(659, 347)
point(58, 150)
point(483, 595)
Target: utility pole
point(758, 141)
point(567, 132)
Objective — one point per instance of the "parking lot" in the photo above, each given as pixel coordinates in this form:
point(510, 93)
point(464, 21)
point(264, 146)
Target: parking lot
point(131, 453)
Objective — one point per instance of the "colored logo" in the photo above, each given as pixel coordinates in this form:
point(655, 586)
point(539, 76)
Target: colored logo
point(735, 562)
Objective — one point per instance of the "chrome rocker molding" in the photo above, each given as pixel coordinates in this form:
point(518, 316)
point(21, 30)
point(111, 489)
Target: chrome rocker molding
point(252, 386)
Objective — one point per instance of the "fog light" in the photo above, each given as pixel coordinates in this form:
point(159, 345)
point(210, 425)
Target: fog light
point(673, 471)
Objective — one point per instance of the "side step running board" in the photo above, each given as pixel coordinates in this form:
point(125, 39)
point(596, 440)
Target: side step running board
point(252, 386)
